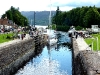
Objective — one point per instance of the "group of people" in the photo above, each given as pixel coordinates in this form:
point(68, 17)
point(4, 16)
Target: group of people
point(31, 33)
point(21, 36)
point(79, 34)
point(34, 33)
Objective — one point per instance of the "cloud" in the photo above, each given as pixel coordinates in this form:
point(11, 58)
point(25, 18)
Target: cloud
point(78, 3)
point(41, 5)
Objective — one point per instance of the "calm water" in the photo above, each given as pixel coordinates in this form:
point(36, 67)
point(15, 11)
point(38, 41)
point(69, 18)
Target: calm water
point(52, 60)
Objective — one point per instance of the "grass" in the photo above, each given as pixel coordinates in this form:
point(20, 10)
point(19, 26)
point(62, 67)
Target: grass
point(94, 41)
point(6, 37)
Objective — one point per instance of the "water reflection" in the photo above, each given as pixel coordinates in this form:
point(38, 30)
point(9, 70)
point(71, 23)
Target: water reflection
point(52, 46)
point(45, 67)
point(63, 37)
point(38, 50)
point(63, 40)
point(51, 60)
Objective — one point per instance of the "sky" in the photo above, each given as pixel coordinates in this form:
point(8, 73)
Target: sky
point(41, 5)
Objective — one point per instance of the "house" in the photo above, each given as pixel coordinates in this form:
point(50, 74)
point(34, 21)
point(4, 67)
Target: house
point(95, 28)
point(10, 22)
point(7, 24)
point(3, 23)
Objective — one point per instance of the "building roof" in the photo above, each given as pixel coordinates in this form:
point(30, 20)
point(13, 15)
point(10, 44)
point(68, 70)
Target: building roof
point(6, 22)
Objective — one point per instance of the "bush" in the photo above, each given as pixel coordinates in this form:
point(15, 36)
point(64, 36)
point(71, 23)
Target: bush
point(78, 28)
point(8, 37)
point(62, 28)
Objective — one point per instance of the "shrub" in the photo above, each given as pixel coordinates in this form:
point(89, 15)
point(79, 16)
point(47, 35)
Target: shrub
point(78, 28)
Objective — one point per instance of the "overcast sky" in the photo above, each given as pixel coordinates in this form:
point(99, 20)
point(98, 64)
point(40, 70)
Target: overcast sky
point(41, 5)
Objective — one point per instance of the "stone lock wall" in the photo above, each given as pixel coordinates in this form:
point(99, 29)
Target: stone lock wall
point(85, 62)
point(14, 55)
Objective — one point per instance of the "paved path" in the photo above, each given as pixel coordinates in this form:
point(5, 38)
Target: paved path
point(14, 41)
point(82, 44)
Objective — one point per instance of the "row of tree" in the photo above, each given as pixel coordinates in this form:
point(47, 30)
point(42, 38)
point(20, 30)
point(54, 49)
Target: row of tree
point(14, 15)
point(81, 16)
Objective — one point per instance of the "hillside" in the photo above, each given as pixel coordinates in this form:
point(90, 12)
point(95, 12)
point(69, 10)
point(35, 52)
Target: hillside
point(41, 17)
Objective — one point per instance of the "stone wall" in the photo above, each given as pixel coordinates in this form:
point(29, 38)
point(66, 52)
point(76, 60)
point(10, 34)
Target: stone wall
point(75, 51)
point(88, 63)
point(85, 62)
point(15, 55)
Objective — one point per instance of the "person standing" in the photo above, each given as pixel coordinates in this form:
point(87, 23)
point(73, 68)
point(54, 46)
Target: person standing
point(76, 35)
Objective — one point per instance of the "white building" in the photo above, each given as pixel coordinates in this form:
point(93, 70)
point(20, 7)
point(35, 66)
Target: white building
point(95, 28)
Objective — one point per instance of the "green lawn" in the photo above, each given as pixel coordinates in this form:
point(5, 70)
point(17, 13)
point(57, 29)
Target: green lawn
point(94, 41)
point(6, 37)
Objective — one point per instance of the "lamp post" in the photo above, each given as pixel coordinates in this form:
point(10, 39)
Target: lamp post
point(31, 23)
point(25, 23)
point(34, 18)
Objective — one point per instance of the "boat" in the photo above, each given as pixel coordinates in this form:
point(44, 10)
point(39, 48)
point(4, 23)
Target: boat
point(52, 41)
point(52, 38)
point(71, 31)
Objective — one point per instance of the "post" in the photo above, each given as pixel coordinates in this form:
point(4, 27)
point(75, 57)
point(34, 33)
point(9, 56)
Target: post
point(34, 18)
point(31, 22)
point(50, 16)
point(92, 45)
point(97, 44)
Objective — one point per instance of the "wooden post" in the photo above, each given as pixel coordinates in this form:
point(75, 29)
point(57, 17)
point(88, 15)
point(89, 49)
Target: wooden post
point(97, 44)
point(92, 45)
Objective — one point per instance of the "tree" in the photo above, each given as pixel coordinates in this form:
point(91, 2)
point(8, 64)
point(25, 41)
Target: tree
point(92, 17)
point(9, 14)
point(14, 15)
point(79, 17)
point(3, 16)
point(56, 18)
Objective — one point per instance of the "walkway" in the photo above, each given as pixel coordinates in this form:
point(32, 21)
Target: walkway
point(82, 45)
point(14, 41)
point(85, 60)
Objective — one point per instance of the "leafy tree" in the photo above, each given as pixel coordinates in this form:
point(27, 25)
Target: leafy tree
point(79, 17)
point(92, 17)
point(57, 16)
point(9, 14)
point(83, 10)
point(3, 16)
point(78, 27)
point(14, 15)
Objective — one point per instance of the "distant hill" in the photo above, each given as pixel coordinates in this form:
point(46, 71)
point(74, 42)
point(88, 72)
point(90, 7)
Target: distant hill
point(41, 17)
